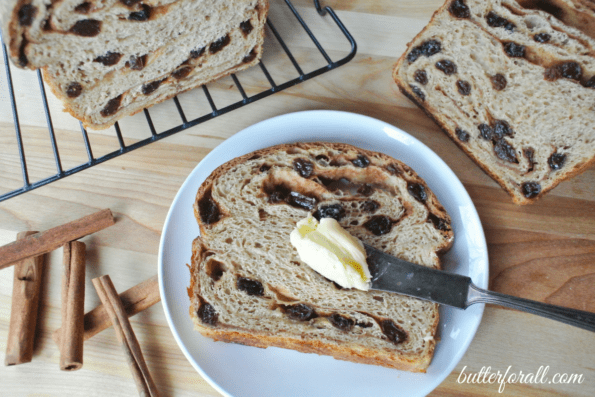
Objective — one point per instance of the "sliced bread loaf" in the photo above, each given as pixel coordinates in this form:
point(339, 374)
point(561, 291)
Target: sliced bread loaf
point(109, 58)
point(249, 286)
point(512, 85)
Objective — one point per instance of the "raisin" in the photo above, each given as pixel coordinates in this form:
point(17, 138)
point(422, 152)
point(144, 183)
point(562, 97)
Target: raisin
point(207, 314)
point(505, 151)
point(459, 9)
point(109, 59)
point(250, 57)
point(363, 325)
point(421, 77)
point(446, 66)
point(264, 168)
point(249, 286)
point(501, 128)
point(215, 269)
point(462, 135)
point(427, 49)
point(197, 52)
point(418, 191)
point(83, 8)
point(414, 54)
point(365, 190)
point(530, 189)
point(431, 47)
point(418, 92)
point(218, 44)
point(379, 225)
point(27, 14)
point(393, 169)
point(208, 209)
point(556, 161)
point(498, 82)
point(395, 334)
point(300, 312)
point(464, 87)
point(571, 70)
point(303, 167)
point(74, 89)
point(149, 88)
point(298, 200)
point(370, 206)
point(86, 28)
point(142, 15)
point(542, 37)
point(514, 50)
point(341, 322)
point(496, 21)
point(246, 27)
point(182, 72)
point(486, 132)
point(438, 223)
point(361, 161)
point(589, 83)
point(335, 211)
point(112, 106)
point(137, 63)
point(529, 153)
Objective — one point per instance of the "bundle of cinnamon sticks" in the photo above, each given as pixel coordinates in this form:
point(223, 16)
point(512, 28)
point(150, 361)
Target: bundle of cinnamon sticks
point(27, 254)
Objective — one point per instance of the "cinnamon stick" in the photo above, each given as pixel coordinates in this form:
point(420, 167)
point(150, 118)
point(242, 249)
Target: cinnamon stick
point(135, 300)
point(113, 305)
point(23, 313)
point(73, 306)
point(44, 242)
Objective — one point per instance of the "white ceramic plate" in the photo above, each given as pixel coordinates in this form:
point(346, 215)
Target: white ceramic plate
point(236, 370)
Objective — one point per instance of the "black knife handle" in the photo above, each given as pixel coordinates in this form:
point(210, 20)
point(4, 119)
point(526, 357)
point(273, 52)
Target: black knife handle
point(577, 318)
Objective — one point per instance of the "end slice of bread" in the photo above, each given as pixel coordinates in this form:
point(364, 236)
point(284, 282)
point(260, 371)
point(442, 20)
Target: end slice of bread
point(110, 58)
point(249, 285)
point(512, 85)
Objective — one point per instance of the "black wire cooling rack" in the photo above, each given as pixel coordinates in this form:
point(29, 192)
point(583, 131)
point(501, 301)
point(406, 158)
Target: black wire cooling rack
point(155, 135)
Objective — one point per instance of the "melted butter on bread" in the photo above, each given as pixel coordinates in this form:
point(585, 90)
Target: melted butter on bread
point(331, 251)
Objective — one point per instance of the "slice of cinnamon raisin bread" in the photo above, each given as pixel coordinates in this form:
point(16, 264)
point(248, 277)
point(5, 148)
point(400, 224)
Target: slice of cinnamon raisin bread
point(106, 59)
point(249, 285)
point(512, 85)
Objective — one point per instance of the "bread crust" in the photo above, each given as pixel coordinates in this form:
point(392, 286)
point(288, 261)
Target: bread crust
point(355, 353)
point(435, 114)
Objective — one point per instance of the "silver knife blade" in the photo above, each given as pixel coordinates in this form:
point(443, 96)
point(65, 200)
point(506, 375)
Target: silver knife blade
point(396, 275)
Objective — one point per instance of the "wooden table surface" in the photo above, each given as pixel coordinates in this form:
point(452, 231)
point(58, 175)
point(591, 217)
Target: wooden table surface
point(545, 251)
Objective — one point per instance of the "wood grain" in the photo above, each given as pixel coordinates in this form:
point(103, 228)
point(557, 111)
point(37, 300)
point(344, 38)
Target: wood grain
point(544, 251)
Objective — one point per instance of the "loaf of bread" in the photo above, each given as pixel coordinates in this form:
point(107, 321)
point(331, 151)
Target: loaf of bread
point(513, 84)
point(106, 59)
point(249, 286)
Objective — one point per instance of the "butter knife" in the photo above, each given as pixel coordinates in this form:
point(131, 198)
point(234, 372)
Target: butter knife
point(396, 275)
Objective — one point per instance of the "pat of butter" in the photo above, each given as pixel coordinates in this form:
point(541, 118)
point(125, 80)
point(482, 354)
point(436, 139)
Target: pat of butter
point(331, 251)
